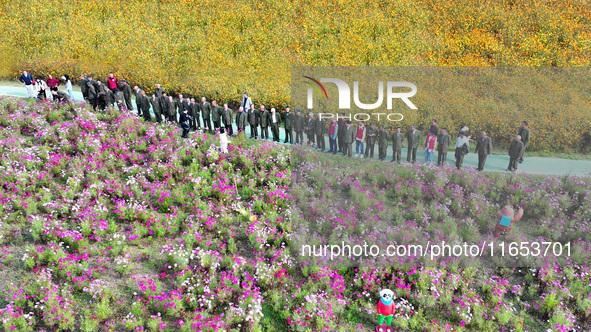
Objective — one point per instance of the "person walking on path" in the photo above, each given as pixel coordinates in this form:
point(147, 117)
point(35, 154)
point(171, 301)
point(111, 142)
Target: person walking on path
point(397, 139)
point(524, 132)
point(412, 136)
point(29, 83)
point(461, 149)
point(483, 149)
point(444, 141)
point(515, 152)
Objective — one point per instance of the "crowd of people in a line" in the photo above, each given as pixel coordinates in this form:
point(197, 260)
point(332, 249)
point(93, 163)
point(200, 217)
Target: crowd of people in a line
point(208, 115)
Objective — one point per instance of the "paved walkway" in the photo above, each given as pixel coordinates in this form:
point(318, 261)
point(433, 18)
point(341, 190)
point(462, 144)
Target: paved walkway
point(531, 165)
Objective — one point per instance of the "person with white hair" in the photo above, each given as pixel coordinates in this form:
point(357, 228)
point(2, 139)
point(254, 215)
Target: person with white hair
point(515, 152)
point(275, 122)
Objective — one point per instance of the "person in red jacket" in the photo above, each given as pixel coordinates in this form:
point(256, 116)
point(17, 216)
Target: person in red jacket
point(386, 309)
point(52, 83)
point(113, 83)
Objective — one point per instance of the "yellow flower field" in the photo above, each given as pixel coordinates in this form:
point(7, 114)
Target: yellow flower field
point(220, 48)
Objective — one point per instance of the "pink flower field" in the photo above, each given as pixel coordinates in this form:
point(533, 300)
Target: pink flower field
point(109, 223)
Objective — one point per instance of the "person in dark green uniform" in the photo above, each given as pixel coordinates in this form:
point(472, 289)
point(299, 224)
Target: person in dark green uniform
point(515, 151)
point(444, 141)
point(320, 129)
point(524, 132)
point(216, 115)
point(348, 139)
point(109, 97)
point(264, 122)
point(194, 113)
point(397, 138)
point(138, 94)
point(92, 95)
point(383, 138)
point(288, 122)
point(205, 114)
point(413, 137)
point(275, 122)
point(164, 107)
point(172, 110)
point(227, 119)
point(155, 102)
point(483, 149)
point(145, 106)
point(253, 120)
point(84, 87)
point(298, 126)
point(241, 120)
point(126, 89)
point(158, 91)
point(370, 138)
point(310, 128)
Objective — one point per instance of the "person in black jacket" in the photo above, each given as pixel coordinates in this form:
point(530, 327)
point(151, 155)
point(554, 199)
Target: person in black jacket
point(183, 121)
point(126, 89)
point(253, 120)
point(84, 87)
point(92, 95)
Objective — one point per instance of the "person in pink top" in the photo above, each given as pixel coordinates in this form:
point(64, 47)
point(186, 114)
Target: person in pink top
point(113, 83)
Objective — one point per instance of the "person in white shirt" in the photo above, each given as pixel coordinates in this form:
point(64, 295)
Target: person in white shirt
point(223, 140)
point(461, 148)
point(66, 78)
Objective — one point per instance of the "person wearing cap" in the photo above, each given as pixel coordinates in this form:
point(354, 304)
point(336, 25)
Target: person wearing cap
point(515, 151)
point(320, 129)
point(397, 139)
point(92, 95)
point(275, 121)
point(412, 136)
point(84, 87)
point(126, 89)
point(461, 149)
point(288, 126)
point(348, 139)
point(372, 135)
point(430, 146)
point(298, 127)
point(483, 149)
point(444, 141)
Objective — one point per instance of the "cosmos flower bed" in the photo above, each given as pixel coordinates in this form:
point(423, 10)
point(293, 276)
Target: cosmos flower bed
point(112, 224)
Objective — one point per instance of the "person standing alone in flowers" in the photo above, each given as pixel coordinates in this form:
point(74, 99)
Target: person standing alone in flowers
point(223, 140)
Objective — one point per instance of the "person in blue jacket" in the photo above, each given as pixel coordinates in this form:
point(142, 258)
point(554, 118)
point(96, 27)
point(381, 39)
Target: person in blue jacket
point(29, 82)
